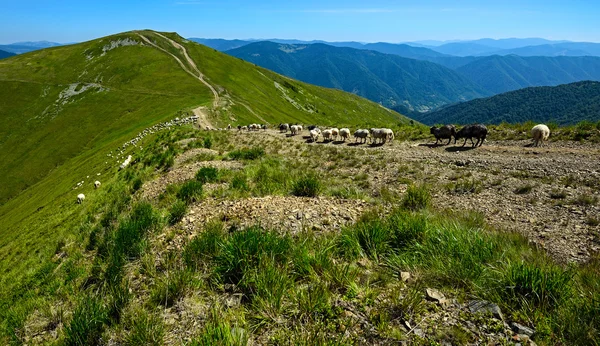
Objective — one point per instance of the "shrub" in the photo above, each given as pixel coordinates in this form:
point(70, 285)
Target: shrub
point(541, 286)
point(207, 142)
point(87, 323)
point(584, 200)
point(558, 194)
point(205, 246)
point(240, 182)
point(207, 175)
point(137, 184)
point(523, 189)
point(416, 197)
point(190, 191)
point(177, 212)
point(247, 154)
point(307, 186)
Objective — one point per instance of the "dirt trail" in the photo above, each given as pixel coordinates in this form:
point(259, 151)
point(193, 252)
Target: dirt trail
point(193, 64)
point(199, 74)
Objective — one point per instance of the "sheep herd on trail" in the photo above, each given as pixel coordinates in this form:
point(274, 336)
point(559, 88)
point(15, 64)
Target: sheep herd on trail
point(539, 134)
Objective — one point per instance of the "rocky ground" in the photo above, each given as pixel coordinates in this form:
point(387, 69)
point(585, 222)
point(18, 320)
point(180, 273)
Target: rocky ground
point(548, 194)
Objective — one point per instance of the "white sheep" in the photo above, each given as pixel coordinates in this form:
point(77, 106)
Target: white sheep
point(540, 133)
point(80, 198)
point(382, 134)
point(335, 133)
point(126, 162)
point(96, 184)
point(326, 135)
point(389, 134)
point(244, 128)
point(294, 130)
point(344, 133)
point(229, 126)
point(362, 134)
point(300, 128)
point(314, 134)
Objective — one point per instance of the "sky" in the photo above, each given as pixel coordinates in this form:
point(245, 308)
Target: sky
point(349, 20)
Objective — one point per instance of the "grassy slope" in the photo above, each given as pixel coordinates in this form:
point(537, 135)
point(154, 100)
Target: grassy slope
point(43, 156)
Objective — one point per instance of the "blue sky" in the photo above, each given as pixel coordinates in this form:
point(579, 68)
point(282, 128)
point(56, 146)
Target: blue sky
point(366, 21)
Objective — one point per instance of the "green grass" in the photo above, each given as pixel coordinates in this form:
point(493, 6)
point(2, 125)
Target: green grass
point(190, 191)
point(207, 175)
point(44, 155)
point(307, 186)
point(416, 197)
point(247, 154)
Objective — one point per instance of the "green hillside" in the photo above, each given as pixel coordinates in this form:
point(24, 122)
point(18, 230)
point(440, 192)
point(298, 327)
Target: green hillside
point(564, 104)
point(385, 78)
point(65, 109)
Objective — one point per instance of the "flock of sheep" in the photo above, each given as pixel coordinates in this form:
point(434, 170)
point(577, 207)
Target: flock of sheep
point(539, 133)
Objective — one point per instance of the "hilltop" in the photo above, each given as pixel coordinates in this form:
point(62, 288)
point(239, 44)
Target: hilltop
point(70, 109)
point(384, 78)
point(566, 104)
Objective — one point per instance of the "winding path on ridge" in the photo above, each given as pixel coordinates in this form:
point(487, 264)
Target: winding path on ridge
point(200, 111)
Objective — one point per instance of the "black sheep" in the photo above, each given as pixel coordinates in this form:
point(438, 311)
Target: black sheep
point(444, 132)
point(478, 131)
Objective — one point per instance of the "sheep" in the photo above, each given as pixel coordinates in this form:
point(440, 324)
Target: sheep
point(126, 162)
point(239, 127)
point(478, 131)
point(540, 133)
point(362, 134)
point(264, 127)
point(229, 126)
point(207, 128)
point(314, 134)
point(80, 198)
point(335, 132)
point(311, 127)
point(284, 127)
point(344, 133)
point(294, 130)
point(244, 128)
point(389, 135)
point(300, 128)
point(444, 132)
point(326, 135)
point(378, 134)
point(96, 184)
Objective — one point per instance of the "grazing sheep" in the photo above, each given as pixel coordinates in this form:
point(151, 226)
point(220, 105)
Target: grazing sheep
point(335, 132)
point(312, 127)
point(344, 133)
point(244, 128)
point(239, 127)
point(264, 127)
point(362, 134)
point(478, 131)
point(80, 198)
point(389, 135)
point(229, 126)
point(294, 130)
point(326, 135)
point(540, 133)
point(444, 132)
point(378, 134)
point(314, 134)
point(126, 162)
point(284, 127)
point(300, 128)
point(96, 184)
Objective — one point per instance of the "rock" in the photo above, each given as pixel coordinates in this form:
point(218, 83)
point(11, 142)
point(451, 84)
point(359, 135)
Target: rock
point(433, 294)
point(483, 306)
point(419, 332)
point(521, 329)
point(404, 276)
point(445, 303)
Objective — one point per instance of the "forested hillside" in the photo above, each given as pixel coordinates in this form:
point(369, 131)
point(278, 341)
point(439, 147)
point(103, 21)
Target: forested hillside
point(384, 78)
point(564, 104)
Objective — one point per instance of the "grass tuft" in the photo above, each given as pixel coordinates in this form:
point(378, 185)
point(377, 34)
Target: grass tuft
point(416, 197)
point(307, 186)
point(190, 191)
point(207, 175)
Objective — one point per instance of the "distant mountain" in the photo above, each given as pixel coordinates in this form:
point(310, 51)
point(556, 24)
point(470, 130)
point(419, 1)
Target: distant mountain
point(510, 43)
point(388, 79)
point(564, 104)
point(219, 43)
point(559, 49)
point(464, 49)
point(24, 47)
point(499, 74)
point(4, 54)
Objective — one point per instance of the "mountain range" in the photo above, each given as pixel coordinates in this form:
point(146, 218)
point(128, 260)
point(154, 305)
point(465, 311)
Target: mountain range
point(24, 47)
point(5, 54)
point(565, 104)
point(388, 79)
